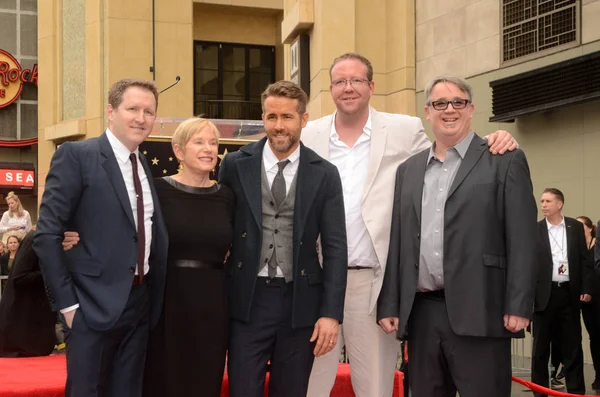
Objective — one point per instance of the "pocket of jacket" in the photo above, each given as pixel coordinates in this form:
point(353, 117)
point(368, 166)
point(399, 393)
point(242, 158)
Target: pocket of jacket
point(85, 267)
point(497, 261)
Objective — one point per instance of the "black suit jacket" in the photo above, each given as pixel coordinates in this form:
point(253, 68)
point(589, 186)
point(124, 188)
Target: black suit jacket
point(4, 264)
point(489, 242)
point(26, 319)
point(580, 264)
point(318, 212)
point(85, 191)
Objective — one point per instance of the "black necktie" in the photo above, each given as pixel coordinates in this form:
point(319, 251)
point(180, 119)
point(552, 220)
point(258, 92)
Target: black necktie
point(278, 186)
point(141, 237)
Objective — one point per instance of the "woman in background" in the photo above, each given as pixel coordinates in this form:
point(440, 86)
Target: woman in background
point(16, 219)
point(591, 311)
point(186, 352)
point(26, 319)
point(6, 260)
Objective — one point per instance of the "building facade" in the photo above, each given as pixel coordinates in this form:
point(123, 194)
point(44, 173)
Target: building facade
point(18, 102)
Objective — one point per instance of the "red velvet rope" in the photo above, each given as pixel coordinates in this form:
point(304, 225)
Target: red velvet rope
point(545, 390)
point(23, 142)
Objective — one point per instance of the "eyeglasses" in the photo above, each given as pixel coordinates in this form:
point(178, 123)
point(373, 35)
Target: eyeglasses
point(456, 104)
point(354, 82)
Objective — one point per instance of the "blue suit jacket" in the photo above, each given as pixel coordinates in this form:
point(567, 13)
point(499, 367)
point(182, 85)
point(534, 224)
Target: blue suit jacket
point(318, 212)
point(85, 192)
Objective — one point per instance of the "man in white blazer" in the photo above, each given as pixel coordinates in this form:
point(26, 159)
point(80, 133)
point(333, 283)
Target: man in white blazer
point(367, 147)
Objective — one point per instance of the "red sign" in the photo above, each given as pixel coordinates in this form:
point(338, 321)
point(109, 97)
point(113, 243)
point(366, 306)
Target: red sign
point(15, 177)
point(12, 78)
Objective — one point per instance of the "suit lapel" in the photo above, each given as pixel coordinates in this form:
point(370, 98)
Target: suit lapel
point(115, 176)
point(378, 140)
point(320, 141)
point(543, 230)
point(476, 149)
point(569, 232)
point(307, 184)
point(249, 170)
point(418, 178)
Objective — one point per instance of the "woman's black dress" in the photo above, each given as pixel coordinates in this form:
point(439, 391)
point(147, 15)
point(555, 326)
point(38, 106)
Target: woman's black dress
point(186, 353)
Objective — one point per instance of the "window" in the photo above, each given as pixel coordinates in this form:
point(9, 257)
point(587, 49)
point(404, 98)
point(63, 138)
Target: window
point(229, 78)
point(530, 27)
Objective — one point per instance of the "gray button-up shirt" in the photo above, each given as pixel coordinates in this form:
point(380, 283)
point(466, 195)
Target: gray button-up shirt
point(439, 176)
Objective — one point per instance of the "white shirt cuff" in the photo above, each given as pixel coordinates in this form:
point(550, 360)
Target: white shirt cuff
point(70, 308)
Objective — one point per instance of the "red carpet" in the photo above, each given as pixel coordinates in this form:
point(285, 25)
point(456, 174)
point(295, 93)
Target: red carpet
point(45, 377)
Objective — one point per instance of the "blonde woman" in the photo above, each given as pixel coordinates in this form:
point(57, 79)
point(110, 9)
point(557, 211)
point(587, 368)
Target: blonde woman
point(186, 353)
point(16, 219)
point(6, 260)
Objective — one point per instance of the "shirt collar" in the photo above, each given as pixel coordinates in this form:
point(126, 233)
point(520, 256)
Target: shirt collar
point(366, 129)
point(121, 152)
point(461, 147)
point(562, 222)
point(270, 160)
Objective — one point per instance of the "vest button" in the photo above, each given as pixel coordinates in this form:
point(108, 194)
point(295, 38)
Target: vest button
point(276, 216)
point(270, 245)
point(276, 231)
point(266, 260)
point(272, 203)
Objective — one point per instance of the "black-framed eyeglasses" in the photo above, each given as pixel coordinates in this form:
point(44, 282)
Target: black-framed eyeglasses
point(354, 82)
point(456, 104)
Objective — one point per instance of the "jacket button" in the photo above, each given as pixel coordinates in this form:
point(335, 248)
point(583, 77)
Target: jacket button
point(302, 272)
point(135, 239)
point(301, 243)
point(244, 235)
point(418, 235)
point(417, 265)
point(132, 269)
point(239, 265)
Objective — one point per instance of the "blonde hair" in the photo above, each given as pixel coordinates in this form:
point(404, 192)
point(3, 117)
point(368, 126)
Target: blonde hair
point(20, 211)
point(186, 130)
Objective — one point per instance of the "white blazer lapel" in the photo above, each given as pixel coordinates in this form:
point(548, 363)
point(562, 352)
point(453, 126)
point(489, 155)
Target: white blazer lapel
point(316, 136)
point(378, 140)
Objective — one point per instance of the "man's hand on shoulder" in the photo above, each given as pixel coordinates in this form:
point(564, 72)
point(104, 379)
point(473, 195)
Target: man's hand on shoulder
point(326, 334)
point(501, 141)
point(515, 323)
point(389, 324)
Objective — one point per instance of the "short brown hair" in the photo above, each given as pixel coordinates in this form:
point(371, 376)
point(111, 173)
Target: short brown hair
point(356, 56)
point(559, 195)
point(286, 89)
point(184, 131)
point(115, 94)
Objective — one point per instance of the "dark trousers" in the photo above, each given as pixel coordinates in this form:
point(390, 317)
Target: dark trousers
point(561, 315)
point(109, 363)
point(442, 362)
point(269, 336)
point(591, 318)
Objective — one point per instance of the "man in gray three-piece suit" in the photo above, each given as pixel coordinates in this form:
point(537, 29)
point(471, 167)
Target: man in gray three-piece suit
point(461, 271)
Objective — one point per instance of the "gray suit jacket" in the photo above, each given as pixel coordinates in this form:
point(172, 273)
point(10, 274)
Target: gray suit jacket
point(490, 263)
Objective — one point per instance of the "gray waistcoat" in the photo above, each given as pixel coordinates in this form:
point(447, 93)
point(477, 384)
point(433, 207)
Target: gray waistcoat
point(278, 229)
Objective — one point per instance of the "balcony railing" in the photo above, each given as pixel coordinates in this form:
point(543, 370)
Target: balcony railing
point(228, 109)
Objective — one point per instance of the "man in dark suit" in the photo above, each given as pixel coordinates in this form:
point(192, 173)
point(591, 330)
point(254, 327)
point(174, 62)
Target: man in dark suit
point(285, 306)
point(564, 281)
point(109, 287)
point(461, 269)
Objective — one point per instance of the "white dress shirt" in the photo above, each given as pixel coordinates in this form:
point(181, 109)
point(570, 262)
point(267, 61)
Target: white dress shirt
point(270, 161)
point(353, 166)
point(122, 155)
point(558, 246)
